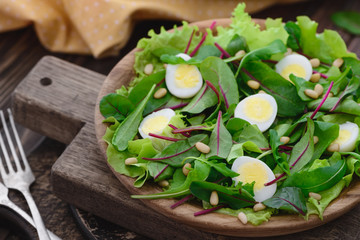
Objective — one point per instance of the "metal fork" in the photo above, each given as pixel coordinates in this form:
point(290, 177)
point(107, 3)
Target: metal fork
point(5, 201)
point(19, 179)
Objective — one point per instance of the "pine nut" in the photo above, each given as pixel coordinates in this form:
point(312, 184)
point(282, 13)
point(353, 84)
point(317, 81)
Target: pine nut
point(185, 169)
point(253, 84)
point(130, 161)
point(259, 207)
point(165, 65)
point(240, 53)
point(214, 198)
point(285, 139)
point(242, 217)
point(338, 62)
point(315, 77)
point(202, 147)
point(163, 183)
point(331, 94)
point(316, 196)
point(262, 92)
point(160, 93)
point(288, 52)
point(333, 147)
point(315, 62)
point(149, 68)
point(311, 93)
point(319, 89)
point(277, 175)
point(316, 139)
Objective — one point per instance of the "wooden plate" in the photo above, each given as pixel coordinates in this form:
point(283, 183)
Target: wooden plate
point(222, 224)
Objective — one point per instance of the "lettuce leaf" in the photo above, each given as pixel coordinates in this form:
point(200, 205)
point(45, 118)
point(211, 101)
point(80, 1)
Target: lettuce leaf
point(326, 46)
point(255, 218)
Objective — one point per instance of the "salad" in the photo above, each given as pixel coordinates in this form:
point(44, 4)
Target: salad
point(246, 122)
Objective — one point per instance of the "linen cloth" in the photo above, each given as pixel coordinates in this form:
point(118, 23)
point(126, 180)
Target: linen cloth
point(102, 27)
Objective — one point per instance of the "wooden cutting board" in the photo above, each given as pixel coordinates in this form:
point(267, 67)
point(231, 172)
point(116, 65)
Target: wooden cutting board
point(57, 99)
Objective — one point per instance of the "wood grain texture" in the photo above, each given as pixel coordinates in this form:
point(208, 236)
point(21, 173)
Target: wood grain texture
point(122, 74)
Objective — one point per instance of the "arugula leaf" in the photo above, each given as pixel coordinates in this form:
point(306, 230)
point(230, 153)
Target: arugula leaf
point(127, 130)
point(285, 93)
point(348, 20)
point(294, 32)
point(317, 180)
point(115, 105)
point(303, 151)
point(219, 140)
point(288, 198)
point(220, 75)
point(231, 196)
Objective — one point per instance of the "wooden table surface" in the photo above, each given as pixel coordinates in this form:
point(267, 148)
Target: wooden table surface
point(20, 50)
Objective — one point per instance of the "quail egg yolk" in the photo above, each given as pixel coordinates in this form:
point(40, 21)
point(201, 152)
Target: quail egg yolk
point(258, 109)
point(295, 69)
point(252, 171)
point(186, 76)
point(344, 136)
point(155, 125)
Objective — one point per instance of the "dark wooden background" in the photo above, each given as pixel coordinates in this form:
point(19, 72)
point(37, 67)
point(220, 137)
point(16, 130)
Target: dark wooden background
point(20, 50)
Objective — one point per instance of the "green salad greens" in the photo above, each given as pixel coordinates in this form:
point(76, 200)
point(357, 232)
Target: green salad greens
point(259, 121)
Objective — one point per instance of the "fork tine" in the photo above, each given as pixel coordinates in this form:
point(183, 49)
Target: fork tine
point(11, 145)
point(18, 142)
point(4, 150)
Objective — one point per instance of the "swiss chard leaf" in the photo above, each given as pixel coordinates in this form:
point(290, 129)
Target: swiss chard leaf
point(175, 153)
point(156, 168)
point(294, 32)
point(317, 180)
point(346, 106)
point(285, 93)
point(230, 196)
point(280, 159)
point(220, 75)
point(127, 130)
point(204, 99)
point(327, 133)
point(264, 53)
point(303, 151)
point(220, 140)
point(116, 106)
point(288, 198)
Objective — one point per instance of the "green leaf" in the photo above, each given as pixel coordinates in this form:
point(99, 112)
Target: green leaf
point(326, 46)
point(253, 134)
point(220, 140)
point(220, 167)
point(199, 173)
point(235, 125)
point(327, 133)
point(301, 85)
point(346, 106)
point(255, 218)
point(289, 199)
point(115, 105)
point(318, 179)
point(265, 53)
point(207, 51)
point(237, 150)
point(220, 75)
point(204, 99)
point(156, 167)
point(178, 151)
point(281, 160)
point(294, 32)
point(284, 92)
point(303, 151)
point(129, 127)
point(230, 196)
point(349, 20)
point(236, 44)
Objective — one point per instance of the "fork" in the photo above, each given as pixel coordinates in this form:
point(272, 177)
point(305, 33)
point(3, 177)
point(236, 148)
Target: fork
point(19, 179)
point(5, 201)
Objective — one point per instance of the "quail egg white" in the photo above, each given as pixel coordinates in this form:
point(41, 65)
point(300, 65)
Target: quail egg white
point(259, 109)
point(183, 80)
point(155, 122)
point(254, 170)
point(348, 134)
point(295, 64)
